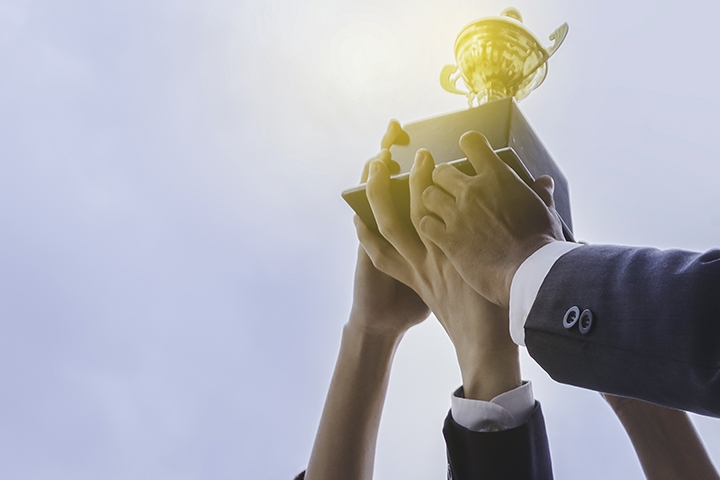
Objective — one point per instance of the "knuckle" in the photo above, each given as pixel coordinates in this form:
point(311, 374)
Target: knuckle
point(440, 171)
point(427, 194)
point(468, 195)
point(388, 232)
point(380, 262)
point(423, 223)
point(425, 226)
point(464, 198)
point(475, 187)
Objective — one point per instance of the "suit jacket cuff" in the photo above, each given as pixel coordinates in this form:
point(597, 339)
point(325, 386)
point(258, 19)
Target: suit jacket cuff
point(507, 410)
point(527, 282)
point(521, 452)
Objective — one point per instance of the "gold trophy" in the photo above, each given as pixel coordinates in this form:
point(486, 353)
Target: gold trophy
point(500, 62)
point(498, 57)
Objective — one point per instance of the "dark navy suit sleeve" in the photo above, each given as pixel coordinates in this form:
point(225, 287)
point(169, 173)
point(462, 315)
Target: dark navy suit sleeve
point(519, 453)
point(651, 330)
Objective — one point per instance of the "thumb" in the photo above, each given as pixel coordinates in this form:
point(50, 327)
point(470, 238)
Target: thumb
point(544, 186)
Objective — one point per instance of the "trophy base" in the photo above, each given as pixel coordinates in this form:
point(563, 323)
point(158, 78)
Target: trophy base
point(509, 134)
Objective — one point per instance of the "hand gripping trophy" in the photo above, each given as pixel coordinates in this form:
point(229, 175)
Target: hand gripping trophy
point(500, 62)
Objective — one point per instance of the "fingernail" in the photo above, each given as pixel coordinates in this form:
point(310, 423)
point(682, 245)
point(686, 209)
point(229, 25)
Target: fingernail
point(422, 157)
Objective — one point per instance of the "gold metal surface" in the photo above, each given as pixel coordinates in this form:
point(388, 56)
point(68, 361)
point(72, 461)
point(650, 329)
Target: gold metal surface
point(498, 57)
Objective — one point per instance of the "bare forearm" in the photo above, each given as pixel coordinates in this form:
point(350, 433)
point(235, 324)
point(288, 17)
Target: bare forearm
point(665, 441)
point(487, 356)
point(345, 443)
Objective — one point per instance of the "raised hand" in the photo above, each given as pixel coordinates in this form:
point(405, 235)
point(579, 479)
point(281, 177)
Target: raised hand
point(489, 223)
point(381, 303)
point(477, 328)
point(383, 309)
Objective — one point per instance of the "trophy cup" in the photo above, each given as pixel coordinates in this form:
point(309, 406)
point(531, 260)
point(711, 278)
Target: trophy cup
point(500, 62)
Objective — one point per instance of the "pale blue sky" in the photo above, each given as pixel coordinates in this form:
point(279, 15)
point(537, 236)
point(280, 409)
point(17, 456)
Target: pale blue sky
point(176, 260)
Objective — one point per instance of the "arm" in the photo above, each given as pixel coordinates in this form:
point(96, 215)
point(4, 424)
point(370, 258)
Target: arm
point(487, 357)
point(383, 309)
point(654, 332)
point(521, 452)
point(665, 440)
point(345, 443)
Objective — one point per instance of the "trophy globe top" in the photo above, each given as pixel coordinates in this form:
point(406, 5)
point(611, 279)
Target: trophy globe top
point(498, 57)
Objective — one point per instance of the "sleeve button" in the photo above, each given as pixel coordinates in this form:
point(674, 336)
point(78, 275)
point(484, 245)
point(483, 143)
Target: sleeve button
point(586, 321)
point(571, 317)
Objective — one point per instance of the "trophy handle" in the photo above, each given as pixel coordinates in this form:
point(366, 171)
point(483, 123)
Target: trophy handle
point(449, 77)
point(558, 36)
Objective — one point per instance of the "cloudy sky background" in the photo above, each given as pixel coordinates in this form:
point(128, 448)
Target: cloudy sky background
point(176, 260)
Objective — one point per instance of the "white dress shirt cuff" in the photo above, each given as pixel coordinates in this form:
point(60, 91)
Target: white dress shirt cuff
point(507, 410)
point(527, 282)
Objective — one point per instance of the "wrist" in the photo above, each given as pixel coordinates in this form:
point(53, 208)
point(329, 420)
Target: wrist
point(490, 372)
point(385, 322)
point(369, 334)
point(617, 403)
point(639, 411)
point(521, 257)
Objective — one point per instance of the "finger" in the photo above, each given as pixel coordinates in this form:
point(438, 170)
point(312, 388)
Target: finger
point(544, 186)
point(386, 157)
point(383, 155)
point(382, 255)
point(449, 179)
point(398, 233)
point(434, 230)
point(440, 203)
point(394, 135)
point(420, 179)
point(479, 152)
